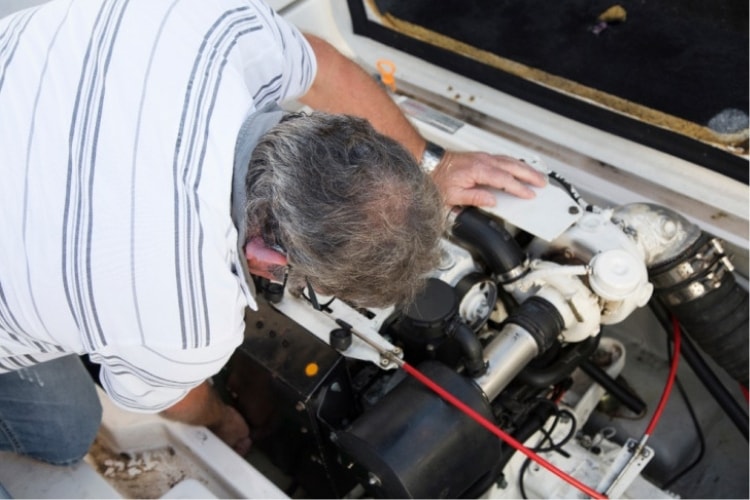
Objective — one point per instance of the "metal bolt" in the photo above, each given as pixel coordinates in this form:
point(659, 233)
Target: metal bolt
point(727, 261)
point(384, 361)
point(373, 480)
point(300, 406)
point(572, 210)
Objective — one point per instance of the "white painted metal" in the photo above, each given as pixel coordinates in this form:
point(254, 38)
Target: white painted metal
point(320, 324)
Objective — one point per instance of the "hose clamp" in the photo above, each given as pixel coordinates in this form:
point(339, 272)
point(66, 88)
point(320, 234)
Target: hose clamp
point(514, 274)
point(709, 255)
point(695, 276)
point(696, 288)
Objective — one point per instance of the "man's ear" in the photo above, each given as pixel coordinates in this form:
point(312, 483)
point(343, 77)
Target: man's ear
point(264, 261)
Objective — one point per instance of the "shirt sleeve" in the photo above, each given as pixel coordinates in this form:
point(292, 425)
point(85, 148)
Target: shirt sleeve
point(299, 59)
point(146, 380)
point(289, 52)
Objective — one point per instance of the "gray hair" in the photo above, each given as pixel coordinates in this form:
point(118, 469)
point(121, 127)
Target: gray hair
point(355, 214)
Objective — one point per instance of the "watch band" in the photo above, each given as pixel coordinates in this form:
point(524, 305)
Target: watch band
point(431, 157)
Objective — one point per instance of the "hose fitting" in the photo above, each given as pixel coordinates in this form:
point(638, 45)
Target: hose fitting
point(494, 244)
point(701, 291)
point(692, 277)
point(529, 331)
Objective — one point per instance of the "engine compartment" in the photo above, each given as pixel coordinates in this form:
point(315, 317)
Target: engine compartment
point(532, 314)
point(517, 327)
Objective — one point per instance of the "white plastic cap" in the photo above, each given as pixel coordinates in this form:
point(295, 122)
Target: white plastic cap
point(617, 274)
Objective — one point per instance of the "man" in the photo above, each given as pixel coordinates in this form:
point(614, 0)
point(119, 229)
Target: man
point(127, 132)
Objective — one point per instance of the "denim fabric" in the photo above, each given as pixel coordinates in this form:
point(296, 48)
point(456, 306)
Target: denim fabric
point(50, 411)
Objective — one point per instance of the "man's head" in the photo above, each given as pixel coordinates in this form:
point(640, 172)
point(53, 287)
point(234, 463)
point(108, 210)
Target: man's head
point(353, 211)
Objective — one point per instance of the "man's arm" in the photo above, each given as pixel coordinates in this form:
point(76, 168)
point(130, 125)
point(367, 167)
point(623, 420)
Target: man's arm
point(341, 86)
point(203, 406)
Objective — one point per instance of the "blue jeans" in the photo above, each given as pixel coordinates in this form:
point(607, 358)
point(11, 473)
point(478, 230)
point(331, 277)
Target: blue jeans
point(50, 411)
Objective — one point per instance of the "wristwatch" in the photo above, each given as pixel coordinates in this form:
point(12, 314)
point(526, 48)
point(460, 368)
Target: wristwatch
point(431, 157)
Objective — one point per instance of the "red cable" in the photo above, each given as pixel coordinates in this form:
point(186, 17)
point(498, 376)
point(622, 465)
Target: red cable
point(498, 432)
point(670, 380)
point(520, 447)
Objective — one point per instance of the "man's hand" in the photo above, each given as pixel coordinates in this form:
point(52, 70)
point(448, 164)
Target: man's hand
point(202, 406)
point(463, 178)
point(233, 430)
point(340, 86)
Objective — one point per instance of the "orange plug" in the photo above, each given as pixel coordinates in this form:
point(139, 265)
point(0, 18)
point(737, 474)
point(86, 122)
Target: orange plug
point(387, 72)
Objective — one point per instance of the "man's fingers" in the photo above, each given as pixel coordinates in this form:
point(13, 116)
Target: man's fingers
point(463, 178)
point(481, 197)
point(242, 446)
point(508, 174)
point(520, 170)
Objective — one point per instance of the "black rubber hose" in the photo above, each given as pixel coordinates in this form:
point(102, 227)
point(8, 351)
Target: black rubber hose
point(615, 389)
point(717, 320)
point(541, 319)
point(562, 366)
point(494, 244)
point(730, 406)
point(708, 378)
point(470, 346)
point(718, 323)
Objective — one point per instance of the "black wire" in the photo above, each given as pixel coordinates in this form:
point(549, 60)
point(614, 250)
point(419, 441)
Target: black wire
point(570, 190)
point(571, 431)
point(696, 424)
point(547, 433)
point(521, 473)
point(312, 298)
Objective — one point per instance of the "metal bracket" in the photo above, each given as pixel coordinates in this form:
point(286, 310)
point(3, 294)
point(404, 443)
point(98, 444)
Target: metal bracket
point(367, 343)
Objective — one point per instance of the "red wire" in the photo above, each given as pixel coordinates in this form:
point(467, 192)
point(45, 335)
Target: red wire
point(670, 380)
point(498, 432)
point(520, 447)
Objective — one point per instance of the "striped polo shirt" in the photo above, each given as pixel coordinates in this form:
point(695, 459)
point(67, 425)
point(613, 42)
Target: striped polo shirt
point(118, 123)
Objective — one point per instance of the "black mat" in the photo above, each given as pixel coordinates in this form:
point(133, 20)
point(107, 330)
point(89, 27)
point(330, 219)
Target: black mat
point(685, 58)
point(673, 58)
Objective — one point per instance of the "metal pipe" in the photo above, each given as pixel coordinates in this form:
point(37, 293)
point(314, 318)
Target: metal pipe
point(530, 330)
point(508, 353)
point(633, 402)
